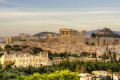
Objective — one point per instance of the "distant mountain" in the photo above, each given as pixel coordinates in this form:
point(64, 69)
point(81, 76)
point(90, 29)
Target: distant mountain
point(106, 32)
point(117, 32)
point(44, 34)
point(89, 33)
point(2, 39)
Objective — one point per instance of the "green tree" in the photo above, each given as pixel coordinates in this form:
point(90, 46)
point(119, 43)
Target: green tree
point(1, 54)
point(16, 48)
point(93, 35)
point(8, 47)
point(36, 50)
point(57, 75)
point(83, 69)
point(93, 55)
point(0, 66)
point(7, 67)
point(30, 70)
point(50, 55)
point(109, 70)
point(92, 44)
point(114, 57)
point(74, 55)
point(108, 77)
point(78, 68)
point(0, 49)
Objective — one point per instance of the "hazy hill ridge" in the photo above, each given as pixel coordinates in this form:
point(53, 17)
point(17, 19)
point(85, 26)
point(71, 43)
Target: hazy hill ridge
point(44, 34)
point(96, 31)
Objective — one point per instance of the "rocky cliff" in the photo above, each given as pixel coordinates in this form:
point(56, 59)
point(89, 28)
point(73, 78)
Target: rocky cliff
point(106, 32)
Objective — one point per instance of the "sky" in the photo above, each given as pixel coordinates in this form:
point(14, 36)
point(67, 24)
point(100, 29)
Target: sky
point(34, 16)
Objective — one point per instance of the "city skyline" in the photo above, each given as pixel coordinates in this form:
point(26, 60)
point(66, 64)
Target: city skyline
point(50, 15)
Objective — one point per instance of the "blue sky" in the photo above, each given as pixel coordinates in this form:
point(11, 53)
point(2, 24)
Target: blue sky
point(33, 16)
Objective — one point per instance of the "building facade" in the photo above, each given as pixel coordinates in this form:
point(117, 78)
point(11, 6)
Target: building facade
point(71, 32)
point(26, 59)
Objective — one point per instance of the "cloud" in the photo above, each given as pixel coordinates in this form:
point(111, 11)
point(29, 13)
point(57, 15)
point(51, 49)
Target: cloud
point(2, 0)
point(8, 14)
point(14, 22)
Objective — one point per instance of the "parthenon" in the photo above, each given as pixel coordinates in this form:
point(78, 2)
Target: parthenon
point(71, 32)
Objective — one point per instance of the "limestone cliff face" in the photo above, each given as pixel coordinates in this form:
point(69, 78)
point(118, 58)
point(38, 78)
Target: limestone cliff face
point(106, 32)
point(102, 41)
point(73, 44)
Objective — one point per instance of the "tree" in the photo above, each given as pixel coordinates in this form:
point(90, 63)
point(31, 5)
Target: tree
point(110, 53)
point(103, 79)
point(61, 55)
point(109, 70)
point(7, 67)
point(8, 47)
point(16, 48)
point(30, 70)
point(0, 49)
point(57, 75)
point(83, 69)
point(93, 35)
point(84, 54)
point(65, 54)
point(119, 60)
point(92, 44)
point(93, 55)
point(74, 55)
point(1, 54)
point(78, 69)
point(9, 76)
point(50, 55)
point(108, 77)
point(0, 66)
point(36, 50)
point(8, 51)
point(114, 57)
point(104, 56)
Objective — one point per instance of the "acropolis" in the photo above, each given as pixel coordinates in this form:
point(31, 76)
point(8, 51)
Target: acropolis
point(68, 40)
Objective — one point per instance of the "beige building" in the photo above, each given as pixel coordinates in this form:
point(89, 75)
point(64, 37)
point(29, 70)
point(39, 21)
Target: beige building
point(71, 32)
point(8, 40)
point(85, 76)
point(12, 39)
point(21, 37)
point(25, 59)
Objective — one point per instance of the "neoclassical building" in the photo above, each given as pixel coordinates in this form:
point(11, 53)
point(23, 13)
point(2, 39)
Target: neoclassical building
point(26, 59)
point(71, 32)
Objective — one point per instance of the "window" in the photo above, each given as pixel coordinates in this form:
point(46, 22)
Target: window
point(40, 64)
point(39, 60)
